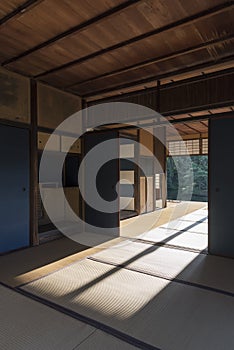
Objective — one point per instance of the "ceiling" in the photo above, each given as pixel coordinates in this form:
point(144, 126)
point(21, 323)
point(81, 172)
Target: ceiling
point(193, 126)
point(105, 47)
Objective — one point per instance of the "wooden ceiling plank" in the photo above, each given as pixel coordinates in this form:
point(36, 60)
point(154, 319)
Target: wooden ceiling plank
point(179, 124)
point(196, 68)
point(157, 60)
point(191, 128)
point(7, 6)
point(75, 30)
point(199, 126)
point(178, 24)
point(26, 6)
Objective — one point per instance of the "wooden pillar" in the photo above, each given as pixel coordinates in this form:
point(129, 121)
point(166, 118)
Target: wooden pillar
point(200, 145)
point(34, 239)
point(160, 154)
point(84, 126)
point(160, 151)
point(158, 96)
point(137, 178)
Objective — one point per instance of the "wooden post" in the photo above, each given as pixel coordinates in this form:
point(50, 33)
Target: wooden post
point(137, 186)
point(200, 145)
point(34, 239)
point(84, 125)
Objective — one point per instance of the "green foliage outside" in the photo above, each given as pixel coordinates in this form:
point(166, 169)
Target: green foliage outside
point(200, 173)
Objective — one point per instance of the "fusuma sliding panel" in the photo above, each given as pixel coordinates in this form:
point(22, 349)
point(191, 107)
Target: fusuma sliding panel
point(221, 187)
point(14, 188)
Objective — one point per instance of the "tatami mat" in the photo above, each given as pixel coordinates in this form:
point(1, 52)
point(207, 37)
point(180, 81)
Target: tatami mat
point(140, 224)
point(182, 232)
point(27, 325)
point(102, 341)
point(165, 314)
point(189, 231)
point(194, 217)
point(178, 238)
point(188, 226)
point(195, 222)
point(161, 297)
point(204, 270)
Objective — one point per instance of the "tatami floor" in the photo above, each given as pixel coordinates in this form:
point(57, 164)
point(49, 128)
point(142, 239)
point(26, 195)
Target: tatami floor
point(154, 287)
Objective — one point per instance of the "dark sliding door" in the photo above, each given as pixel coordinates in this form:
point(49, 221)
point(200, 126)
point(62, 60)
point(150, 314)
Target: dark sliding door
point(221, 187)
point(106, 180)
point(14, 188)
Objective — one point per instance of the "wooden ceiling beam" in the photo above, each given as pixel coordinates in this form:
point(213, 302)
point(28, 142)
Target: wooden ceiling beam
point(175, 25)
point(75, 30)
point(190, 127)
point(19, 10)
point(204, 117)
point(146, 63)
point(179, 121)
point(202, 122)
point(182, 71)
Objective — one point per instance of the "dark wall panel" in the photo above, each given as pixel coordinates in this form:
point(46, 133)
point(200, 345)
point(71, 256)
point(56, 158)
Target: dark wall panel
point(14, 188)
point(221, 187)
point(106, 179)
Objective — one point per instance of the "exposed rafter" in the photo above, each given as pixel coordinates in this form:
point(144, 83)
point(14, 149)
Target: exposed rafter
point(177, 121)
point(172, 26)
point(203, 123)
point(19, 10)
point(159, 77)
point(146, 63)
point(190, 127)
point(202, 118)
point(75, 30)
point(196, 68)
